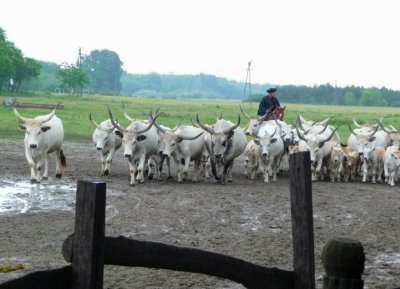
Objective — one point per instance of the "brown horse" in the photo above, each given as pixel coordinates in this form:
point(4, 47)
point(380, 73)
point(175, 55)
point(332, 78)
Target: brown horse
point(278, 113)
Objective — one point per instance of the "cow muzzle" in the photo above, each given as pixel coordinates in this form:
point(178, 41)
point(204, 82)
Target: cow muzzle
point(33, 146)
point(128, 156)
point(99, 148)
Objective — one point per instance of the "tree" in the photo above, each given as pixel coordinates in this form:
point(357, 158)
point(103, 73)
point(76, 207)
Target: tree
point(104, 69)
point(72, 77)
point(13, 64)
point(372, 97)
point(349, 98)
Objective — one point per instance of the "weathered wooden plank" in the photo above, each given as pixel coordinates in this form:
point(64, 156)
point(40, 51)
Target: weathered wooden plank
point(49, 279)
point(123, 251)
point(302, 220)
point(88, 244)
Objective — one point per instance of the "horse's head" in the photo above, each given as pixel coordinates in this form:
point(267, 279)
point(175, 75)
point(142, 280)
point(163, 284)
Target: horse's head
point(278, 113)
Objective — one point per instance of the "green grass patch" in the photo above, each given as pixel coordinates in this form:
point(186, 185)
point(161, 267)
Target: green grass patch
point(75, 114)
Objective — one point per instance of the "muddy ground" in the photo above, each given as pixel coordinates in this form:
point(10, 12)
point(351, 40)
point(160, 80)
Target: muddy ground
point(247, 219)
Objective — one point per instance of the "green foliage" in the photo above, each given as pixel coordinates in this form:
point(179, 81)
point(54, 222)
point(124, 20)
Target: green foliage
point(13, 64)
point(349, 98)
point(372, 97)
point(104, 69)
point(72, 77)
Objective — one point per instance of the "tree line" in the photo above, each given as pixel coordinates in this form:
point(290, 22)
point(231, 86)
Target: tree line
point(100, 72)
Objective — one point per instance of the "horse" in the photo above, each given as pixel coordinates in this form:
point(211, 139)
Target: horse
point(278, 113)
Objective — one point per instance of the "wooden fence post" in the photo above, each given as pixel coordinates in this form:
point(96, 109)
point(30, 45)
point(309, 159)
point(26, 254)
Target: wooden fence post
point(88, 244)
point(302, 220)
point(343, 260)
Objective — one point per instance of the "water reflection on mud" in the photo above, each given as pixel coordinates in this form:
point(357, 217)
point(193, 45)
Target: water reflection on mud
point(20, 196)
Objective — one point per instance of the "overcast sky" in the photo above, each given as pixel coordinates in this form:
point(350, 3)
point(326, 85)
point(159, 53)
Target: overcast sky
point(341, 42)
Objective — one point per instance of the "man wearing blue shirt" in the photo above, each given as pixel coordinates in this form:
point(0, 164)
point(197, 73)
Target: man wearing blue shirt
point(268, 103)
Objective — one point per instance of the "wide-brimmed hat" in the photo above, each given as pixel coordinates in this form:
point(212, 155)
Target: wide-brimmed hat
point(272, 89)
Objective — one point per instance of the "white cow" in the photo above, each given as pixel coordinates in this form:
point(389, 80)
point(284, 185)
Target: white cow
point(44, 135)
point(107, 142)
point(228, 141)
point(251, 159)
point(184, 145)
point(270, 154)
point(373, 162)
point(140, 141)
point(319, 146)
point(391, 164)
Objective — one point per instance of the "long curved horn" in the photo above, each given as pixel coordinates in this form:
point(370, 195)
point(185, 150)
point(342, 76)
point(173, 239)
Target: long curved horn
point(116, 125)
point(352, 131)
point(279, 125)
point(374, 132)
point(94, 123)
point(244, 114)
point(179, 123)
point(233, 127)
point(153, 119)
point(191, 138)
point(393, 128)
point(300, 135)
point(20, 117)
point(273, 133)
point(326, 125)
point(52, 113)
point(355, 123)
point(383, 128)
point(329, 137)
point(125, 114)
point(160, 128)
point(193, 124)
point(326, 120)
point(211, 131)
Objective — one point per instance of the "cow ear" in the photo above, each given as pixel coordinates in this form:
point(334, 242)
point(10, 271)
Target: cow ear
point(141, 137)
point(372, 139)
point(45, 128)
point(321, 144)
point(119, 133)
point(257, 142)
point(22, 127)
point(273, 140)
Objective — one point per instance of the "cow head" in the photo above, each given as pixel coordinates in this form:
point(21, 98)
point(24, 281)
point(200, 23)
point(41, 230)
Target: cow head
point(102, 134)
point(35, 127)
point(132, 134)
point(265, 142)
point(221, 142)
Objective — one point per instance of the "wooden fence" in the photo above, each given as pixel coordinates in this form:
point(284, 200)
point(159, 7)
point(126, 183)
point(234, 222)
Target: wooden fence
point(88, 249)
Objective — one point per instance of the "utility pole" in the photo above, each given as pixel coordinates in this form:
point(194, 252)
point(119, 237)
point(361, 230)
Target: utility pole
point(248, 81)
point(79, 65)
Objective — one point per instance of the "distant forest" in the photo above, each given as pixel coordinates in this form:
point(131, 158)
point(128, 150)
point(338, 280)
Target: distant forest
point(203, 86)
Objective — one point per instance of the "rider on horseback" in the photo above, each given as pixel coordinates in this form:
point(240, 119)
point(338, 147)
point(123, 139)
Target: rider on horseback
point(268, 103)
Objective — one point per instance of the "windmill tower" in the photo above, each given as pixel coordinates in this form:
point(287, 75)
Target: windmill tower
point(247, 84)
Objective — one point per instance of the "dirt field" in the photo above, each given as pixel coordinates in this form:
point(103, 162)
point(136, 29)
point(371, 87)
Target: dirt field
point(245, 219)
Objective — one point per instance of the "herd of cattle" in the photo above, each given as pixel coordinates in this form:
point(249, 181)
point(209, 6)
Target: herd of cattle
point(372, 150)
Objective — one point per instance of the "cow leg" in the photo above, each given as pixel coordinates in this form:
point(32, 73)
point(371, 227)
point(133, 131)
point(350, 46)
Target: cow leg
point(226, 169)
point(142, 162)
point(103, 163)
point(107, 167)
point(197, 164)
point(39, 168)
point(31, 163)
point(46, 166)
point(132, 171)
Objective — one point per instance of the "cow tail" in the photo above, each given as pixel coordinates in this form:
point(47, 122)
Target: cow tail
point(63, 159)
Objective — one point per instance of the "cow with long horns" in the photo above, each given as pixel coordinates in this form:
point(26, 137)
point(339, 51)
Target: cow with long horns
point(140, 141)
point(228, 141)
point(183, 144)
point(107, 142)
point(44, 135)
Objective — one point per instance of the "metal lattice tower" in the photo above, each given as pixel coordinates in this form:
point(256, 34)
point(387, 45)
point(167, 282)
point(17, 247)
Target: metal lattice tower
point(247, 83)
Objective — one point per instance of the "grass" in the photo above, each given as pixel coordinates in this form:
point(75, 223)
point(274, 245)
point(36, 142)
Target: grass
point(75, 114)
